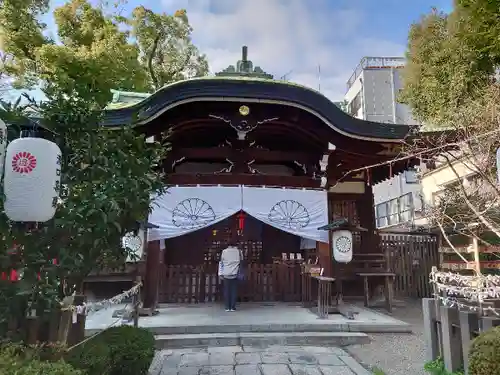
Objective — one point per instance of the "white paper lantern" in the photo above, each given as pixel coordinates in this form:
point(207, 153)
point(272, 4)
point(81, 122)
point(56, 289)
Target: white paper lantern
point(32, 179)
point(342, 246)
point(3, 145)
point(135, 244)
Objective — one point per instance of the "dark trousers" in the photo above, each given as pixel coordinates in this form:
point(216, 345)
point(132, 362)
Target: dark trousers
point(230, 293)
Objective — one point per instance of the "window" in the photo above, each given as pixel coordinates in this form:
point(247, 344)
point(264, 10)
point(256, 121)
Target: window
point(381, 214)
point(395, 211)
point(354, 105)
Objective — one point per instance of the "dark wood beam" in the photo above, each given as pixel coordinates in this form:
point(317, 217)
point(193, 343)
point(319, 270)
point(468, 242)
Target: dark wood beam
point(259, 155)
point(242, 179)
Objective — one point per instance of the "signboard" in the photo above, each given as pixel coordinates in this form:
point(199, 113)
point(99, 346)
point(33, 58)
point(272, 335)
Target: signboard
point(463, 249)
point(459, 265)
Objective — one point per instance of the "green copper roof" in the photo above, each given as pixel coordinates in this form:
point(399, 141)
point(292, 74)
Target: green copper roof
point(256, 89)
point(123, 99)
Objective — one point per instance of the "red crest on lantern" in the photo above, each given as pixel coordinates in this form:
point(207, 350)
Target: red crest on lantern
point(23, 162)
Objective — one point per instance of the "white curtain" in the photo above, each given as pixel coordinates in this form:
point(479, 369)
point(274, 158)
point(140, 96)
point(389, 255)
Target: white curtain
point(306, 243)
point(297, 211)
point(182, 210)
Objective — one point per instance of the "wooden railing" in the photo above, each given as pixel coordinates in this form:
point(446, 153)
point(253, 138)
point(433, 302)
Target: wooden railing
point(199, 284)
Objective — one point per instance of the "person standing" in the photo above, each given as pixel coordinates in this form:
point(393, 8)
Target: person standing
point(229, 272)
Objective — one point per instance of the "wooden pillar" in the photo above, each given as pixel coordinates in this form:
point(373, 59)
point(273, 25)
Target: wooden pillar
point(152, 274)
point(366, 213)
point(325, 258)
point(323, 249)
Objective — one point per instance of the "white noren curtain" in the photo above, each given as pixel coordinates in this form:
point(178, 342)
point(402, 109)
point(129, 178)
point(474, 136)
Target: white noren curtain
point(185, 209)
point(297, 211)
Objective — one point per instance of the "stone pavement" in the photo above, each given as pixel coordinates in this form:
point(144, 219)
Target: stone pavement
point(273, 360)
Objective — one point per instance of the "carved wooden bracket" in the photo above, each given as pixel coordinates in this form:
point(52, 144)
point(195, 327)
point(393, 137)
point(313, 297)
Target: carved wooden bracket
point(242, 124)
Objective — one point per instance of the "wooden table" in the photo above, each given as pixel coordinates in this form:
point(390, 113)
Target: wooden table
point(388, 286)
point(324, 295)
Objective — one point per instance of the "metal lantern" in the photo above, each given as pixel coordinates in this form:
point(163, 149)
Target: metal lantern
point(3, 145)
point(32, 179)
point(342, 246)
point(341, 239)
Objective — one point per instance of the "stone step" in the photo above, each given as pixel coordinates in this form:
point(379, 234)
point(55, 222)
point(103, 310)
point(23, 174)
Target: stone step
point(353, 326)
point(261, 339)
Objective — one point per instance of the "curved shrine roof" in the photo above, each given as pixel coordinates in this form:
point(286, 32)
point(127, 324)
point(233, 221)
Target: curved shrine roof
point(252, 89)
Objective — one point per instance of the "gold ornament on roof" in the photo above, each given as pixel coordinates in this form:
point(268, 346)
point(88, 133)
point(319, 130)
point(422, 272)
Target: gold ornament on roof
point(244, 110)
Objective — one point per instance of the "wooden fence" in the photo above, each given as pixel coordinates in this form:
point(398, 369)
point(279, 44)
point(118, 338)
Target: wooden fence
point(59, 327)
point(190, 284)
point(448, 332)
point(412, 257)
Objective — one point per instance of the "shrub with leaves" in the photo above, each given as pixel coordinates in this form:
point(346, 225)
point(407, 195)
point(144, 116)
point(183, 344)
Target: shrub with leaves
point(484, 353)
point(436, 367)
point(123, 350)
point(17, 360)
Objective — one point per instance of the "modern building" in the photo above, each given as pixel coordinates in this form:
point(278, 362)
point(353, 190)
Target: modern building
point(372, 95)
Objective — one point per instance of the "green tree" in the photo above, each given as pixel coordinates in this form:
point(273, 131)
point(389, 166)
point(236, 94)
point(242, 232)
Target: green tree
point(450, 58)
point(107, 174)
point(142, 52)
point(165, 46)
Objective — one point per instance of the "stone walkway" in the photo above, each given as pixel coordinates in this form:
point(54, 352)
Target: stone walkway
point(274, 360)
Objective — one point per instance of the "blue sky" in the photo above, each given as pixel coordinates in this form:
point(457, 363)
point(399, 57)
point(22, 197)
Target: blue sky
point(299, 35)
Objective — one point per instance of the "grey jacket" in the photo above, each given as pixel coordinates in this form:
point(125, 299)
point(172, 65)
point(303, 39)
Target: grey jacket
point(230, 261)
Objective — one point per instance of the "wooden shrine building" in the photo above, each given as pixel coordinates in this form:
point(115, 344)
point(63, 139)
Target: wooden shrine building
point(241, 134)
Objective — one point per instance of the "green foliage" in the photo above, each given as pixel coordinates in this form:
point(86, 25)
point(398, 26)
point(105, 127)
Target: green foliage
point(484, 353)
point(450, 59)
point(141, 53)
point(377, 371)
point(107, 175)
point(436, 367)
point(120, 350)
point(16, 360)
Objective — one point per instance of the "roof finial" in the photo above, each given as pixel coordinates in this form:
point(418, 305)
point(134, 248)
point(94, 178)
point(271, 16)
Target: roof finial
point(244, 67)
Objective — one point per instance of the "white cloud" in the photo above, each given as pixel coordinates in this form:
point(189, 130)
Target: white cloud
point(283, 36)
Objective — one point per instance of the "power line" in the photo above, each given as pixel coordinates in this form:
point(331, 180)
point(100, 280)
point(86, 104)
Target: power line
point(319, 77)
point(284, 77)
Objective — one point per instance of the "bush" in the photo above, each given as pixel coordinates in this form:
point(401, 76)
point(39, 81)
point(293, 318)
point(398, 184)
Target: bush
point(484, 353)
point(436, 367)
point(120, 350)
point(15, 360)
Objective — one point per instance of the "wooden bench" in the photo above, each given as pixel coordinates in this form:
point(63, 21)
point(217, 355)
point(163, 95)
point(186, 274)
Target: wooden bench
point(388, 287)
point(376, 266)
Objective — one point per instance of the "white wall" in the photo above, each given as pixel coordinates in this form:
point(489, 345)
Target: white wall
point(380, 88)
point(379, 96)
point(355, 89)
point(396, 187)
point(403, 112)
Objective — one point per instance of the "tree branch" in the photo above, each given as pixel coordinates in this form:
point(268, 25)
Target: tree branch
point(469, 204)
point(151, 56)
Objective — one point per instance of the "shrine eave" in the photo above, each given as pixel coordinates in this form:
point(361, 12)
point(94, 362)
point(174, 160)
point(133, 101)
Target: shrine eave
point(254, 90)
